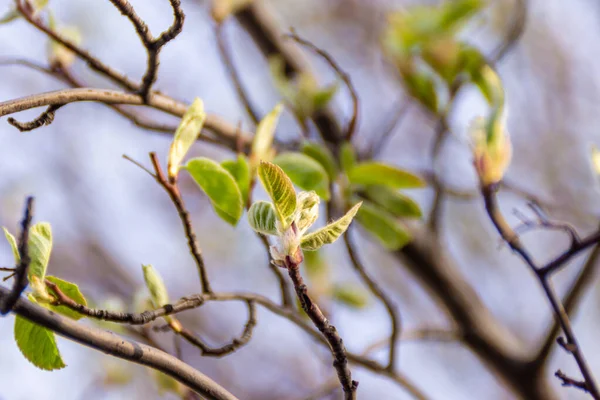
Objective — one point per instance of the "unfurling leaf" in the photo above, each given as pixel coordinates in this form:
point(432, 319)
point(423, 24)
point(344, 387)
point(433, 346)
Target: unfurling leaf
point(58, 55)
point(35, 7)
point(323, 155)
point(40, 247)
point(307, 211)
point(330, 233)
point(262, 217)
point(383, 226)
point(280, 189)
point(347, 157)
point(240, 170)
point(376, 173)
point(37, 344)
point(13, 245)
point(72, 291)
point(394, 202)
point(351, 295)
point(186, 134)
point(262, 144)
point(305, 172)
point(156, 286)
point(220, 187)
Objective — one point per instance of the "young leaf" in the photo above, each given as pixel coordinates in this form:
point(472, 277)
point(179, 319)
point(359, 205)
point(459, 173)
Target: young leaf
point(40, 247)
point(58, 55)
point(307, 211)
point(383, 226)
point(305, 172)
point(262, 144)
point(13, 245)
point(347, 157)
point(351, 295)
point(240, 170)
point(156, 286)
point(72, 291)
point(262, 217)
point(280, 189)
point(322, 155)
point(376, 173)
point(392, 201)
point(37, 344)
point(220, 187)
point(186, 134)
point(330, 233)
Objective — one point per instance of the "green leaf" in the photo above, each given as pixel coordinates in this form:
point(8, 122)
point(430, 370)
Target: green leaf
point(13, 245)
point(392, 201)
point(220, 187)
point(351, 295)
point(315, 265)
point(40, 247)
point(240, 170)
point(347, 157)
point(330, 233)
point(262, 144)
point(383, 226)
point(156, 286)
point(166, 384)
point(280, 189)
point(421, 85)
point(305, 172)
point(186, 134)
point(322, 155)
point(322, 97)
point(307, 210)
point(37, 344)
point(72, 291)
point(376, 173)
point(262, 217)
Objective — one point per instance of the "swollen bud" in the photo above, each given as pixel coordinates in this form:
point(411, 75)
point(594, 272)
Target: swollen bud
point(156, 286)
point(492, 150)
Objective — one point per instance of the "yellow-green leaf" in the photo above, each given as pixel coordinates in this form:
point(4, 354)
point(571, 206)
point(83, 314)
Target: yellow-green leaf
point(347, 157)
point(280, 189)
point(220, 187)
point(394, 202)
point(156, 286)
point(13, 245)
point(72, 291)
point(322, 155)
point(186, 134)
point(40, 247)
point(305, 172)
point(262, 217)
point(376, 173)
point(37, 344)
point(383, 226)
point(262, 144)
point(330, 233)
point(240, 170)
point(350, 295)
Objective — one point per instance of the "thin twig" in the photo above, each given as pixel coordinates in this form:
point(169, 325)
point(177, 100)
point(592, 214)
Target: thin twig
point(44, 118)
point(567, 381)
point(20, 274)
point(173, 192)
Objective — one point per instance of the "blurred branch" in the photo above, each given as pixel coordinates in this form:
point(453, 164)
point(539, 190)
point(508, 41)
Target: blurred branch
point(117, 346)
point(515, 32)
point(44, 118)
point(286, 298)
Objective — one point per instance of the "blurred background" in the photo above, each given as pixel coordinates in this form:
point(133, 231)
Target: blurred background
point(108, 217)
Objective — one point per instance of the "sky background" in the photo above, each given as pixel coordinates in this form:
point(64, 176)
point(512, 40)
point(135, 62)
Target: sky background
point(108, 217)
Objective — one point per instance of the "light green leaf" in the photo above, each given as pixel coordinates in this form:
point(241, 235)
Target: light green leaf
point(220, 187)
point(351, 295)
point(186, 134)
point(156, 286)
point(315, 265)
point(383, 226)
point(37, 344)
point(13, 245)
point(321, 154)
point(240, 170)
point(376, 173)
point(262, 217)
point(280, 189)
point(72, 291)
point(307, 210)
point(40, 247)
point(322, 97)
point(166, 384)
point(10, 16)
point(347, 157)
point(59, 55)
point(262, 144)
point(392, 201)
point(305, 172)
point(330, 233)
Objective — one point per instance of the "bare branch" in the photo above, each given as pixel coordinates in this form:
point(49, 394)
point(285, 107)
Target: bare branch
point(44, 118)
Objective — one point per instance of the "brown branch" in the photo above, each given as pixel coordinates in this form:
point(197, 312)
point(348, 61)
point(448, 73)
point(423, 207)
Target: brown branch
point(395, 321)
point(20, 274)
point(340, 359)
point(233, 74)
point(514, 34)
point(173, 192)
point(152, 45)
point(44, 118)
point(543, 275)
point(567, 381)
point(349, 133)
